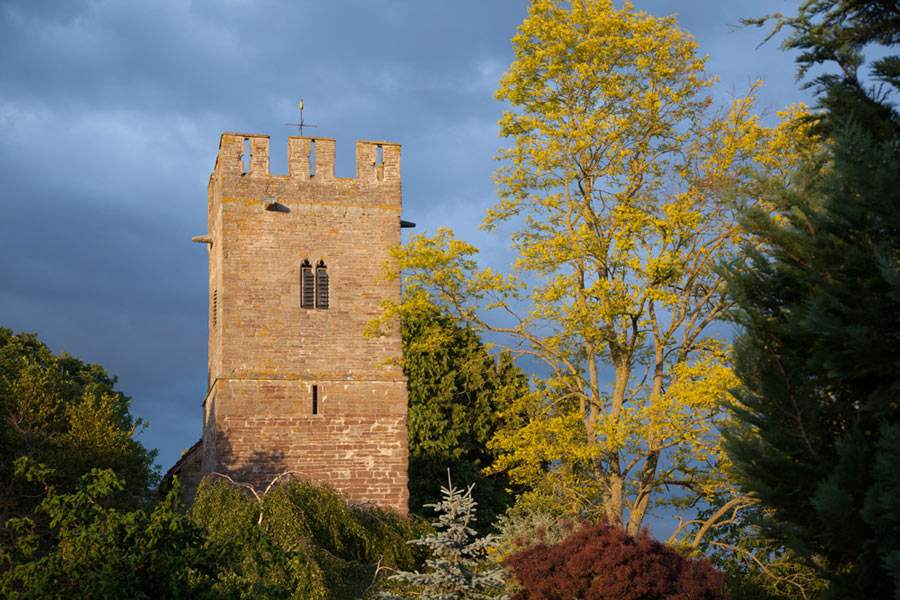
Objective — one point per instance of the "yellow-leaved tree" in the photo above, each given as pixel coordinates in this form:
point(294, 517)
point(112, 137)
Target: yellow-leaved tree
point(614, 179)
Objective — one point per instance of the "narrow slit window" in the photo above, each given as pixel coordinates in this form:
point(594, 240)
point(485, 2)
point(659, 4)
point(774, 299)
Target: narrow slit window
point(315, 400)
point(379, 165)
point(321, 285)
point(307, 285)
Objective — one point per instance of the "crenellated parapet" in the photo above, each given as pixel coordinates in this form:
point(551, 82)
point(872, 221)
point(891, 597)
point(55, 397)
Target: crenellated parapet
point(309, 158)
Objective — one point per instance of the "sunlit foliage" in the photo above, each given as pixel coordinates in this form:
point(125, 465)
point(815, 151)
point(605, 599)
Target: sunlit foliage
point(457, 568)
point(613, 183)
point(297, 541)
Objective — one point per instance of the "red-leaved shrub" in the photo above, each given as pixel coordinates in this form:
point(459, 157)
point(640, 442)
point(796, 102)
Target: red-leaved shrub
point(601, 562)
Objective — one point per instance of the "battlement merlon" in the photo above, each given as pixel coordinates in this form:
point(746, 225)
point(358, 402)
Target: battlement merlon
point(309, 158)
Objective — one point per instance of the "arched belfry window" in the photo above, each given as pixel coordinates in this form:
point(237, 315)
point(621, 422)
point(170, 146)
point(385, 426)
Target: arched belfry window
point(321, 285)
point(313, 285)
point(307, 285)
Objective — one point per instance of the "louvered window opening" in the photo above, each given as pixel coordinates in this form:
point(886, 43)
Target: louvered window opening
point(307, 285)
point(313, 285)
point(321, 285)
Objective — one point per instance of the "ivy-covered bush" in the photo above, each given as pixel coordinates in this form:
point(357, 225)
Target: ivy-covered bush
point(301, 541)
point(601, 562)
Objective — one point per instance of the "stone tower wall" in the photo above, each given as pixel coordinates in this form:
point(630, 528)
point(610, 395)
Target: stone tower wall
point(268, 356)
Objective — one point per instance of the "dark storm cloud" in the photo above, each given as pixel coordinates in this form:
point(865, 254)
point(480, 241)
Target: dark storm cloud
point(111, 112)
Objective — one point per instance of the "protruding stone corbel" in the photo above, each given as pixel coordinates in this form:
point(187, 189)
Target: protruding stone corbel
point(203, 239)
point(271, 204)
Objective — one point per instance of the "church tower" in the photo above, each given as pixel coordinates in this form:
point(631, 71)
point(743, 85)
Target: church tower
point(295, 274)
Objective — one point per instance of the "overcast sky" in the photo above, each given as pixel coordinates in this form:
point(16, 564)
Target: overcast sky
point(111, 112)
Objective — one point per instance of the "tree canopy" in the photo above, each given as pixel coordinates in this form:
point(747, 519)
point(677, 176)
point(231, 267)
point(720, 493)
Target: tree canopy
point(612, 183)
point(67, 416)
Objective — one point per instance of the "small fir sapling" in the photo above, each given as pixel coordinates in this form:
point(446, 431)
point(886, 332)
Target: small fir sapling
point(454, 569)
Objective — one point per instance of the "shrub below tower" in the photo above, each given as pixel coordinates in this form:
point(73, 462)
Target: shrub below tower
point(602, 562)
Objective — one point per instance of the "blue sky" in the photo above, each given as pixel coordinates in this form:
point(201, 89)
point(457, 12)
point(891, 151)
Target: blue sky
point(111, 113)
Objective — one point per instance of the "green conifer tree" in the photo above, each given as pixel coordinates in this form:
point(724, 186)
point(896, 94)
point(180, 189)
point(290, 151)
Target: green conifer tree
point(818, 415)
point(458, 393)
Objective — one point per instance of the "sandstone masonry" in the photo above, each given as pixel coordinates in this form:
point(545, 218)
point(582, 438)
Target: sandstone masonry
point(295, 273)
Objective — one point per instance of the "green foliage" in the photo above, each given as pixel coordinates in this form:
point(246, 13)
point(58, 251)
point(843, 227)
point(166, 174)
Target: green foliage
point(839, 31)
point(64, 414)
point(99, 552)
point(457, 568)
point(296, 541)
point(300, 541)
point(524, 525)
point(819, 357)
point(458, 394)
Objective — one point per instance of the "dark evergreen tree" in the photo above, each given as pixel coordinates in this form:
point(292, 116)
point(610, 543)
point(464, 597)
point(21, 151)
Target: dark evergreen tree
point(818, 415)
point(457, 394)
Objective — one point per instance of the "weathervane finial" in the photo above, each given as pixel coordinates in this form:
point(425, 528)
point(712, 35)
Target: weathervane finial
point(302, 123)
